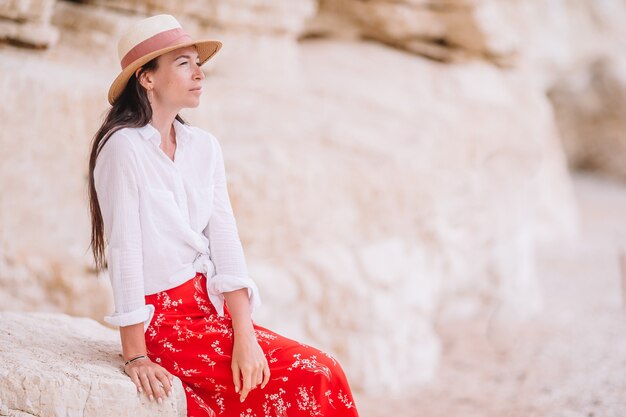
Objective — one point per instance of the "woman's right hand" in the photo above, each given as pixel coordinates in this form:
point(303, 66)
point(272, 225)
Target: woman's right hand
point(151, 378)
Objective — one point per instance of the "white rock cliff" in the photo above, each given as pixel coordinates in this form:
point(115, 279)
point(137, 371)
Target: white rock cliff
point(387, 174)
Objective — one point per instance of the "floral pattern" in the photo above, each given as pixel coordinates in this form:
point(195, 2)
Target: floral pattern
point(189, 339)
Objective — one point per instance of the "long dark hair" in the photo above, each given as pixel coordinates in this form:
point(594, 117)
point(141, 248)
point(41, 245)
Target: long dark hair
point(131, 109)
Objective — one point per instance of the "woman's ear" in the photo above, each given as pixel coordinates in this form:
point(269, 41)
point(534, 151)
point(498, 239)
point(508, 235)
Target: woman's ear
point(144, 78)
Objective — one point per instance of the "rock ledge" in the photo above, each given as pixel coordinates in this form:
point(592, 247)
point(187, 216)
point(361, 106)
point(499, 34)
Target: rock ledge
point(58, 365)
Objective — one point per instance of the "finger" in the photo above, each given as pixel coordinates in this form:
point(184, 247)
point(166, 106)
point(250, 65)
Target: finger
point(253, 378)
point(266, 375)
point(236, 378)
point(247, 384)
point(159, 394)
point(135, 378)
point(164, 376)
point(258, 376)
point(146, 384)
point(165, 381)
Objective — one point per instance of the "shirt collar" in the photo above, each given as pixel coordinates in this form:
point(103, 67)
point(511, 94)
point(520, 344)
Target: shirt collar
point(149, 132)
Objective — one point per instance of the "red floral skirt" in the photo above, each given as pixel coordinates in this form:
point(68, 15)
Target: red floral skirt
point(189, 339)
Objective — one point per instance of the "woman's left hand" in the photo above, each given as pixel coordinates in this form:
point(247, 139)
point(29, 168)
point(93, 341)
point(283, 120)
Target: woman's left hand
point(248, 364)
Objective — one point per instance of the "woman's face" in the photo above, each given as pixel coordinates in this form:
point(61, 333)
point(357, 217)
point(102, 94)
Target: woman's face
point(177, 81)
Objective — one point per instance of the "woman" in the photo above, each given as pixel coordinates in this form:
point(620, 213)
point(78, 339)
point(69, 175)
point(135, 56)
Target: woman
point(183, 297)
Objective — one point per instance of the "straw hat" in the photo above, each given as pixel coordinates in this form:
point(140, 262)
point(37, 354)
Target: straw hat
point(150, 38)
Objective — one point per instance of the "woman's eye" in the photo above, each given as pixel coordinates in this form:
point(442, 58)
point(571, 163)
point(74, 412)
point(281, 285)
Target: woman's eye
point(183, 63)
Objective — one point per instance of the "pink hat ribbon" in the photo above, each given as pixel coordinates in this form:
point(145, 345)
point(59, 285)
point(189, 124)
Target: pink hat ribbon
point(154, 43)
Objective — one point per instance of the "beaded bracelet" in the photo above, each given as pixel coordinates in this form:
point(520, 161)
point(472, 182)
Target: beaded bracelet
point(135, 358)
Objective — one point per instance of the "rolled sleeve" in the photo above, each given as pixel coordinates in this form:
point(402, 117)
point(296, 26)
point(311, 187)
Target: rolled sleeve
point(115, 179)
point(143, 314)
point(225, 246)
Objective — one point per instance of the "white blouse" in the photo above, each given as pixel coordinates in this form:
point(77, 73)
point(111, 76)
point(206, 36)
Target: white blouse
point(166, 220)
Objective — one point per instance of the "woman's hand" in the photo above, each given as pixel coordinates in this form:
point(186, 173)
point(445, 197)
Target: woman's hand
point(151, 378)
point(248, 364)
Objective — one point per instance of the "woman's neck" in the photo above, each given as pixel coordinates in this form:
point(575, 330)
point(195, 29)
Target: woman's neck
point(163, 122)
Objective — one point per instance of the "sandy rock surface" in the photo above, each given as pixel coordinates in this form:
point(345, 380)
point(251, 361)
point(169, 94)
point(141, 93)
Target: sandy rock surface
point(375, 191)
point(381, 192)
point(568, 361)
point(57, 365)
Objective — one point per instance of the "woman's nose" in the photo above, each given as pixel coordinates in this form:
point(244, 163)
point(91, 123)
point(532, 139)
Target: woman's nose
point(199, 75)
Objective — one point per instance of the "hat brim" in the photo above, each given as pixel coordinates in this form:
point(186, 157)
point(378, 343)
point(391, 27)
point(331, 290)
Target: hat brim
point(207, 48)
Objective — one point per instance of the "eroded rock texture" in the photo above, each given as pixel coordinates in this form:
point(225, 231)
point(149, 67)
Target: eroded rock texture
point(378, 190)
point(27, 22)
point(57, 365)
